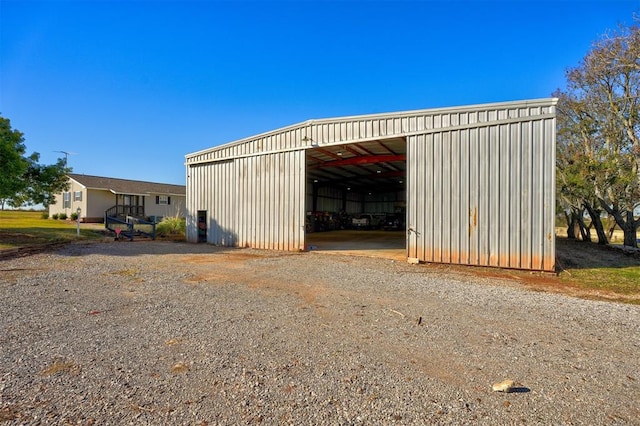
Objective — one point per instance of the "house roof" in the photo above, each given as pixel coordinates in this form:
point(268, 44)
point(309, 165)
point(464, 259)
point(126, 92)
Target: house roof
point(126, 186)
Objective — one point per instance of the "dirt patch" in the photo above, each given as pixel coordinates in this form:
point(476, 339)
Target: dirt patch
point(233, 257)
point(238, 269)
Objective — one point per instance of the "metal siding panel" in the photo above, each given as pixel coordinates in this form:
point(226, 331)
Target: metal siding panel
point(212, 171)
point(296, 201)
point(445, 199)
point(454, 191)
point(412, 196)
point(296, 176)
point(474, 181)
point(414, 199)
point(254, 196)
point(245, 202)
point(228, 228)
point(446, 120)
point(503, 218)
point(280, 203)
point(463, 197)
point(426, 215)
point(221, 213)
point(515, 188)
point(241, 190)
point(272, 201)
point(291, 201)
point(257, 200)
point(259, 210)
point(234, 211)
point(525, 195)
point(285, 238)
point(248, 201)
point(298, 172)
point(464, 118)
point(538, 197)
point(404, 125)
point(550, 197)
point(216, 214)
point(484, 197)
point(263, 215)
point(493, 194)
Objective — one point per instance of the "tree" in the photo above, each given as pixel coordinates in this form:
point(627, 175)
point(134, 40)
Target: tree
point(22, 179)
point(12, 163)
point(578, 168)
point(42, 182)
point(599, 119)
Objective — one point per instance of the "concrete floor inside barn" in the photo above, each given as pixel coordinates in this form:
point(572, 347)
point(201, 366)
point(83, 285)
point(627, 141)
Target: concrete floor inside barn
point(384, 244)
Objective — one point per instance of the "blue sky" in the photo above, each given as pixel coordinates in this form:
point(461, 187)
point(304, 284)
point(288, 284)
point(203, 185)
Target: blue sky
point(130, 87)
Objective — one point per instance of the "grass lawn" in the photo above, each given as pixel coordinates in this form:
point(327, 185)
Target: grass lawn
point(25, 228)
point(600, 270)
point(624, 281)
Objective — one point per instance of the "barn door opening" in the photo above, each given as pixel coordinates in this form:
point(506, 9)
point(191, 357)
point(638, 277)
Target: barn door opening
point(356, 198)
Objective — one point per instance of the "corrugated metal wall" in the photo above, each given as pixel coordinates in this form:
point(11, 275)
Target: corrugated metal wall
point(483, 193)
point(331, 200)
point(480, 183)
point(255, 201)
point(328, 199)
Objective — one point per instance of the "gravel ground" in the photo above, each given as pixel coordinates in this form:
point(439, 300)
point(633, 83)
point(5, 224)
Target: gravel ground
point(174, 333)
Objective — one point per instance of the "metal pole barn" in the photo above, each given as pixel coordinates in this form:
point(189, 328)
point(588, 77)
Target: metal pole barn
point(480, 182)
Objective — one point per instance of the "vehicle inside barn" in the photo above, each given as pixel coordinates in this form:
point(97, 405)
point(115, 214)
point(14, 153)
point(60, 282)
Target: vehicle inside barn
point(356, 197)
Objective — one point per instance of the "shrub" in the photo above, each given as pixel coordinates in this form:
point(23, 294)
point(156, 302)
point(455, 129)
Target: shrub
point(171, 226)
point(44, 215)
point(54, 216)
point(62, 216)
point(74, 216)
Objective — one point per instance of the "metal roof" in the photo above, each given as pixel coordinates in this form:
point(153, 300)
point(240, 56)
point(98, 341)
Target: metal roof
point(126, 186)
point(345, 160)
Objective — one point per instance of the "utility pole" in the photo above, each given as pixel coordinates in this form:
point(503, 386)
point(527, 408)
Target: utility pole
point(66, 156)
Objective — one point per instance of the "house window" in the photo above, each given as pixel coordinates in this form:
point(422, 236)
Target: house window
point(163, 199)
point(66, 200)
point(77, 196)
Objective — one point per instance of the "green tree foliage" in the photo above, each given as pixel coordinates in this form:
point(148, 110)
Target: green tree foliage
point(579, 169)
point(599, 133)
point(13, 165)
point(22, 179)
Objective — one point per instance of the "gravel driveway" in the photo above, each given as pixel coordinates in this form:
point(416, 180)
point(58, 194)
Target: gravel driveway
point(175, 333)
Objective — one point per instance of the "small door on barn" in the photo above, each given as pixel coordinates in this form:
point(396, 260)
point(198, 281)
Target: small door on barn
point(202, 226)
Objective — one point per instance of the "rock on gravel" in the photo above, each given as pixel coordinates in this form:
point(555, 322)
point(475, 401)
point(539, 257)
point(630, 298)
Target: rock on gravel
point(175, 333)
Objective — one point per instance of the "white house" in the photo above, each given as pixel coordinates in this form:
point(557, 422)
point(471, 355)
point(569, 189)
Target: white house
point(96, 195)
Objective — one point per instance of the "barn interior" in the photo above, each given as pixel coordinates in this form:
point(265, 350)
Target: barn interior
point(356, 197)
